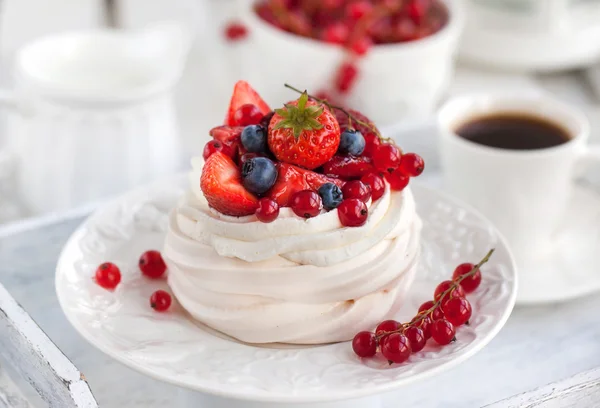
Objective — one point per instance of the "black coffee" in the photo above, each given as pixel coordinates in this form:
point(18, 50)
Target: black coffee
point(513, 131)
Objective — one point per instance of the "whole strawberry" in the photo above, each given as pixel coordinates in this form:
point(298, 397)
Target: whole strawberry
point(304, 133)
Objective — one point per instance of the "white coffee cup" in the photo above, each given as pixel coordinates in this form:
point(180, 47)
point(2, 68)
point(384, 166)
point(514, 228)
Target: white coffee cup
point(524, 192)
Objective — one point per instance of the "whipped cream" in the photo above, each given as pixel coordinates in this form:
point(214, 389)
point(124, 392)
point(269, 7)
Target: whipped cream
point(293, 280)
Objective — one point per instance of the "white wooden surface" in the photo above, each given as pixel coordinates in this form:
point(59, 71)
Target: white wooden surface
point(10, 394)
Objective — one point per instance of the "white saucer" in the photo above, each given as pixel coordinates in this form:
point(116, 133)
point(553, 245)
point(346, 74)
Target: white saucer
point(173, 348)
point(569, 268)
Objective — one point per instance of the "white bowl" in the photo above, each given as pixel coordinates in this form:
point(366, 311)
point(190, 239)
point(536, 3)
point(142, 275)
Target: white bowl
point(396, 81)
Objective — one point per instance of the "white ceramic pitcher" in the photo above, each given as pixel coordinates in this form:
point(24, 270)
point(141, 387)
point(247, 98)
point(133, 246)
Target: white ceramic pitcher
point(94, 114)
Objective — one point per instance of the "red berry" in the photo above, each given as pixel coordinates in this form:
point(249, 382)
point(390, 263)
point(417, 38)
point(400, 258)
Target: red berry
point(324, 95)
point(398, 182)
point(332, 4)
point(160, 300)
point(364, 344)
point(108, 275)
point(424, 324)
point(247, 114)
point(386, 157)
point(396, 348)
point(442, 331)
point(437, 312)
point(306, 204)
point(345, 77)
point(417, 10)
point(416, 337)
point(247, 156)
point(387, 326)
point(470, 283)
point(152, 264)
point(336, 33)
point(358, 9)
point(376, 183)
point(372, 141)
point(411, 165)
point(353, 212)
point(457, 311)
point(299, 23)
point(267, 210)
point(356, 189)
point(235, 31)
point(443, 287)
point(361, 45)
point(216, 146)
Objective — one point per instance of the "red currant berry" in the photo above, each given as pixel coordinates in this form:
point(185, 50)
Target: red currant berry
point(246, 115)
point(437, 312)
point(364, 344)
point(411, 165)
point(442, 331)
point(324, 96)
point(457, 311)
point(387, 326)
point(416, 337)
point(361, 45)
point(417, 10)
point(152, 264)
point(423, 323)
point(376, 183)
point(372, 141)
point(353, 212)
point(386, 157)
point(267, 211)
point(396, 348)
point(160, 300)
point(306, 204)
point(332, 4)
point(345, 77)
point(216, 146)
point(235, 31)
point(443, 287)
point(356, 189)
point(358, 9)
point(470, 283)
point(397, 180)
point(108, 275)
point(336, 33)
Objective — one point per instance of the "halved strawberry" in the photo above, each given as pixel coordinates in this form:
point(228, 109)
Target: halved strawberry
point(221, 183)
point(292, 179)
point(244, 94)
point(226, 133)
point(348, 167)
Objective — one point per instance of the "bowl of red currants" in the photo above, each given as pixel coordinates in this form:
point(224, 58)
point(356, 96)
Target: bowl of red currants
point(391, 59)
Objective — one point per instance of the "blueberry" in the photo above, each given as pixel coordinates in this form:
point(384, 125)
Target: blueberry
point(258, 175)
point(331, 195)
point(351, 142)
point(254, 139)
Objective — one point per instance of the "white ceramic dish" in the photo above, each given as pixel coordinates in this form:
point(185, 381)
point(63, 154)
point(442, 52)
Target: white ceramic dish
point(396, 80)
point(173, 348)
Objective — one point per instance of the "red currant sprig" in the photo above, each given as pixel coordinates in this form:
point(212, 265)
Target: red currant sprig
point(436, 319)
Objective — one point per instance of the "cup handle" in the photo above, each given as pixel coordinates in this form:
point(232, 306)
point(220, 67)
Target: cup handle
point(590, 155)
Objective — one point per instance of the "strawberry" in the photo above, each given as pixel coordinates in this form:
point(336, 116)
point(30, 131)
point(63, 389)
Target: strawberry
point(291, 179)
point(348, 167)
point(226, 134)
point(221, 183)
point(304, 133)
point(244, 94)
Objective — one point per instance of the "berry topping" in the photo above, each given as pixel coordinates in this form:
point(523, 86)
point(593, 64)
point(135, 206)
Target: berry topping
point(398, 182)
point(442, 331)
point(306, 204)
point(364, 344)
point(396, 348)
point(216, 146)
point(222, 187)
point(160, 301)
point(246, 115)
point(457, 311)
point(226, 134)
point(372, 141)
point(353, 212)
point(386, 157)
point(440, 290)
point(331, 195)
point(348, 168)
point(376, 183)
point(292, 179)
point(304, 133)
point(411, 165)
point(152, 264)
point(351, 142)
point(254, 139)
point(416, 337)
point(258, 175)
point(267, 210)
point(244, 94)
point(469, 283)
point(357, 189)
point(108, 275)
point(235, 31)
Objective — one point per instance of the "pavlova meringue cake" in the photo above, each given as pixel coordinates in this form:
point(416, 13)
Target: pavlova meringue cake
point(298, 227)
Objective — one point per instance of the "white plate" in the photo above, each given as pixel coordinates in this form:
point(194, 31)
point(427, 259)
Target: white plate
point(173, 348)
